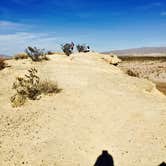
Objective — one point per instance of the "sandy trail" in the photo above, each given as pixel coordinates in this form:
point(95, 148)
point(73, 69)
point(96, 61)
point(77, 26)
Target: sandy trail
point(99, 108)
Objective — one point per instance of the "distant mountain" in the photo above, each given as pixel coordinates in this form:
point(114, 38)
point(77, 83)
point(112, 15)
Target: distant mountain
point(143, 50)
point(4, 56)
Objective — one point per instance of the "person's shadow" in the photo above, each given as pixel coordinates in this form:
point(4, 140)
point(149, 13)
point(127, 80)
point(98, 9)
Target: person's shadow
point(163, 164)
point(105, 159)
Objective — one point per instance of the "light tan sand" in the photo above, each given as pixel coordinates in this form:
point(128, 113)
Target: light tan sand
point(99, 108)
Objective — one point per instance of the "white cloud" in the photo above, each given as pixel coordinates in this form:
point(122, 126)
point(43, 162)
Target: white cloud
point(17, 42)
point(156, 4)
point(9, 25)
point(150, 5)
point(163, 13)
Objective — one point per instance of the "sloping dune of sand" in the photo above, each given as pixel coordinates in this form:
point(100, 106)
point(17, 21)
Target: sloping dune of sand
point(100, 108)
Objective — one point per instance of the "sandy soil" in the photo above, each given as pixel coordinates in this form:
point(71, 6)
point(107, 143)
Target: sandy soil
point(99, 108)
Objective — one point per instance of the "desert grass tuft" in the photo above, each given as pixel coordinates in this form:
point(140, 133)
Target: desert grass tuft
point(18, 100)
point(132, 73)
point(21, 56)
point(48, 87)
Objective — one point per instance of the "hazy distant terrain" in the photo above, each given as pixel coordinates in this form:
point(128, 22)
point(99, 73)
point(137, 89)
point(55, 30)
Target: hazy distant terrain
point(2, 55)
point(140, 51)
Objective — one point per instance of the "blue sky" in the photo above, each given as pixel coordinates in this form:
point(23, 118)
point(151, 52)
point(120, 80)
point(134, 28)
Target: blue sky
point(104, 25)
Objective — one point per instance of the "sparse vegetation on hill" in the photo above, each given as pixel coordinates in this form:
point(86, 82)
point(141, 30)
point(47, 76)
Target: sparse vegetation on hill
point(67, 48)
point(2, 63)
point(83, 48)
point(36, 54)
point(30, 87)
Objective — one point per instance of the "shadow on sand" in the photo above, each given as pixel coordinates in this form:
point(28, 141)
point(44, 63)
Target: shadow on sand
point(105, 159)
point(163, 164)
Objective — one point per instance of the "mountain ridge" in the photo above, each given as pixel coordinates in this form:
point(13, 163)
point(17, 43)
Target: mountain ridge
point(141, 50)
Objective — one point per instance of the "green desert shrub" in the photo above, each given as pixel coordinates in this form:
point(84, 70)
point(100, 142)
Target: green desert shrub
point(36, 54)
point(83, 48)
point(21, 56)
point(67, 48)
point(30, 87)
point(2, 63)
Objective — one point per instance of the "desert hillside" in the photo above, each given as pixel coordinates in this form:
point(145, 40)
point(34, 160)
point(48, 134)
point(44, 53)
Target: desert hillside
point(99, 108)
